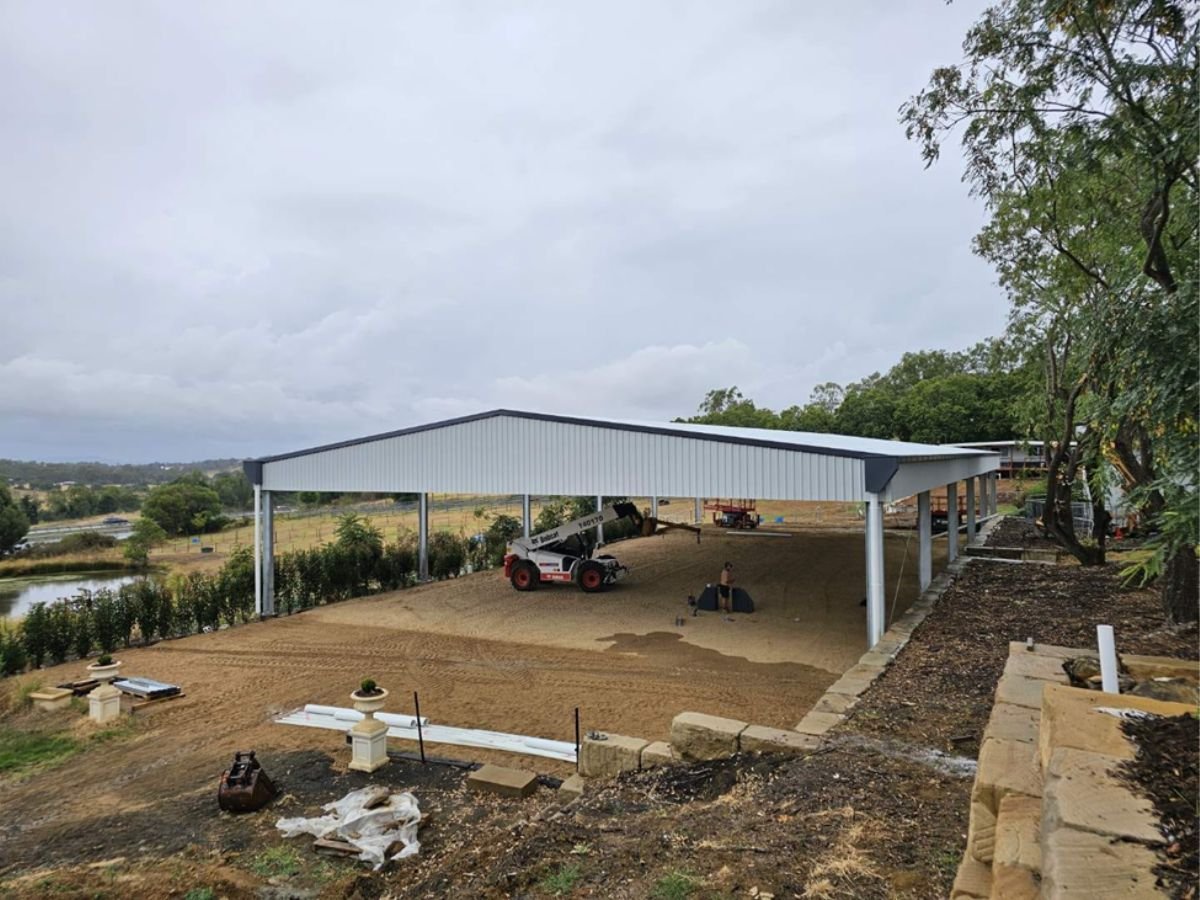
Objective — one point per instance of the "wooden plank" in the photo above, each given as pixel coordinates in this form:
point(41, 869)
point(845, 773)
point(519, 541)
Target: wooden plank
point(142, 704)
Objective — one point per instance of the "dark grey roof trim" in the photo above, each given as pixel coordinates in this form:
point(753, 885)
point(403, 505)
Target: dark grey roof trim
point(878, 471)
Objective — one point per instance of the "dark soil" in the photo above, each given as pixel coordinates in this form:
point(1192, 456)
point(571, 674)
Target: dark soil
point(1166, 771)
point(939, 691)
point(1015, 532)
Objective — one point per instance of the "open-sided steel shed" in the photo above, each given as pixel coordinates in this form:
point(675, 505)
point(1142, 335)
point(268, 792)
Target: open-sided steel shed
point(512, 452)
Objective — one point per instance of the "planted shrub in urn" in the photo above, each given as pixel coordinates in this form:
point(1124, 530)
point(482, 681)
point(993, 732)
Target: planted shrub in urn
point(105, 668)
point(369, 697)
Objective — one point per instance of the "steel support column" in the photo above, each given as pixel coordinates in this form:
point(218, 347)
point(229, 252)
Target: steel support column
point(526, 515)
point(654, 507)
point(924, 542)
point(423, 537)
point(268, 555)
point(699, 510)
point(952, 521)
point(599, 526)
point(994, 487)
point(971, 518)
point(876, 610)
point(258, 594)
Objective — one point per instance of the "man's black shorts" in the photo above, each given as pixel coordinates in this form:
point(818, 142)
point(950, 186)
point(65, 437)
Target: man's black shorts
point(723, 590)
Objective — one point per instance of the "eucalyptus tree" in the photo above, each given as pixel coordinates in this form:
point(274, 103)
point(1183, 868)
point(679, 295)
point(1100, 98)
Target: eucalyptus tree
point(1079, 127)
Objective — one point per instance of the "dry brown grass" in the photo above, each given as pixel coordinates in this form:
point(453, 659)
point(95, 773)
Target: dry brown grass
point(844, 868)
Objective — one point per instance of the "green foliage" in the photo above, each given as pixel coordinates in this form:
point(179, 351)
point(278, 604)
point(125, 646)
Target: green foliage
point(674, 886)
point(35, 633)
point(551, 515)
point(367, 686)
point(46, 475)
point(562, 880)
point(500, 532)
point(105, 659)
point(13, 658)
point(82, 631)
point(80, 501)
point(146, 534)
point(20, 750)
point(447, 555)
point(184, 507)
point(14, 524)
point(929, 396)
point(359, 546)
point(234, 489)
point(1080, 129)
point(199, 893)
point(60, 632)
point(104, 618)
point(280, 861)
point(30, 507)
point(235, 586)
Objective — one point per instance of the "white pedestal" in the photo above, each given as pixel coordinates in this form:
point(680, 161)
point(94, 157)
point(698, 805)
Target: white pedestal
point(368, 745)
point(104, 704)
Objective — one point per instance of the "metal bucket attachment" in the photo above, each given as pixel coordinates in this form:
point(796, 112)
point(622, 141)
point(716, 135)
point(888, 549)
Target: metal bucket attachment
point(245, 786)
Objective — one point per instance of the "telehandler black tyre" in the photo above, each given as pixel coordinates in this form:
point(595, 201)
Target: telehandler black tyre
point(525, 576)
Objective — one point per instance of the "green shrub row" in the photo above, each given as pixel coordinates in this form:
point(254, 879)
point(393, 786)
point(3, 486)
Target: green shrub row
point(356, 563)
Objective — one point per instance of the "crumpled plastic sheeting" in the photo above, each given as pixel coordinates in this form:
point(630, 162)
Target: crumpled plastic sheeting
point(372, 831)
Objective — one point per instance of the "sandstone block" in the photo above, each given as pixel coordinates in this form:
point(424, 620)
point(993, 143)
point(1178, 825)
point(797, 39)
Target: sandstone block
point(973, 881)
point(1010, 883)
point(981, 832)
point(1035, 665)
point(1018, 833)
point(818, 723)
point(52, 698)
point(657, 754)
point(763, 739)
point(1070, 719)
point(876, 658)
point(1020, 691)
point(614, 754)
point(1079, 865)
point(831, 702)
point(1081, 793)
point(697, 736)
point(1013, 723)
point(1005, 767)
point(505, 782)
point(571, 789)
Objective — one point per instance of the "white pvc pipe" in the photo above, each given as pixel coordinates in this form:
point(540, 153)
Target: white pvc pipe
point(1108, 659)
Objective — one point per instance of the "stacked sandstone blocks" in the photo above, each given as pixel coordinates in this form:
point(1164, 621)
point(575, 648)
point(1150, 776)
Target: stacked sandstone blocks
point(1048, 818)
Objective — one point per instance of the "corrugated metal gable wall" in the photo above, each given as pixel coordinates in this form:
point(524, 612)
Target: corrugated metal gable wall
point(508, 455)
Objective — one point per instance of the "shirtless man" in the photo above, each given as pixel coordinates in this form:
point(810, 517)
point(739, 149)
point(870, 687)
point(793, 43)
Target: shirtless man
point(725, 589)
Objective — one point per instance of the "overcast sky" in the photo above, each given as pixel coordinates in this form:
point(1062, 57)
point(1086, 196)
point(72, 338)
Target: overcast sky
point(230, 229)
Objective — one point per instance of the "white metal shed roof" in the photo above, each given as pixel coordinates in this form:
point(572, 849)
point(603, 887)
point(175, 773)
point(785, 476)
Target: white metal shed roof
point(515, 452)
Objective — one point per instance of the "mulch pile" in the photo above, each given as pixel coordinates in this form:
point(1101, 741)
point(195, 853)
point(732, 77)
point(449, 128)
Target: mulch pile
point(939, 691)
point(1166, 771)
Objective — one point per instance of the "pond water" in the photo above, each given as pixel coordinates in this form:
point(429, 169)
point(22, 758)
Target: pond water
point(18, 594)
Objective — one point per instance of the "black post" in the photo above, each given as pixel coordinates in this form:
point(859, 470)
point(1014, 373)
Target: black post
point(577, 739)
point(420, 736)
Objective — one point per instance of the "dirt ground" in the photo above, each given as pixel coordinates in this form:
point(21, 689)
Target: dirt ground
point(481, 655)
point(871, 815)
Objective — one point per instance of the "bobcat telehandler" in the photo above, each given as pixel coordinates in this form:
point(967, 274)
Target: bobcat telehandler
point(567, 553)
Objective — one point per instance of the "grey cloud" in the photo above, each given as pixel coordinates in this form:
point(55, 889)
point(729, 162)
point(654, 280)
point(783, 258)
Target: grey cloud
point(235, 229)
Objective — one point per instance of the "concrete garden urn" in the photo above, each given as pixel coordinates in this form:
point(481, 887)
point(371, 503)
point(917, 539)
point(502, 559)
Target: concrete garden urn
point(368, 738)
point(369, 704)
point(104, 702)
point(104, 674)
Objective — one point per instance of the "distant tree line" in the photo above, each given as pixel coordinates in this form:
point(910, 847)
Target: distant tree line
point(930, 397)
point(45, 475)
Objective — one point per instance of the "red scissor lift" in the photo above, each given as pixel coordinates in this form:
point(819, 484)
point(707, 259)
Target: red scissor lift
point(733, 513)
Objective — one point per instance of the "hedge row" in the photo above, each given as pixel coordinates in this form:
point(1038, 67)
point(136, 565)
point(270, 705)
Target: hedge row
point(357, 563)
